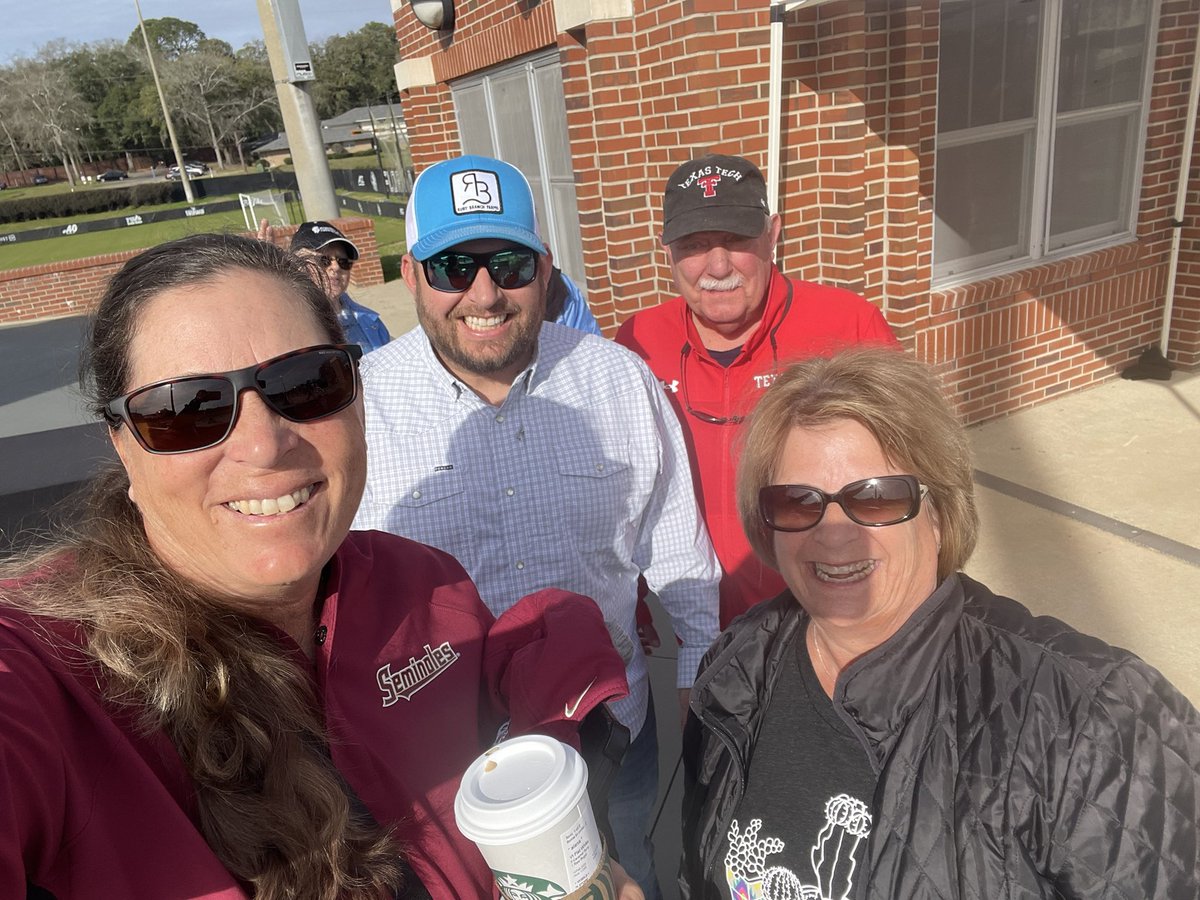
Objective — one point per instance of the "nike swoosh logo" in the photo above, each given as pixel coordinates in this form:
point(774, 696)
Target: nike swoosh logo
point(570, 708)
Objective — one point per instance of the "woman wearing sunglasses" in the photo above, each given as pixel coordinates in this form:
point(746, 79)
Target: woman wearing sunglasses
point(887, 727)
point(208, 688)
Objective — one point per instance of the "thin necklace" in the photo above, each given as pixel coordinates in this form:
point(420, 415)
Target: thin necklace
point(821, 658)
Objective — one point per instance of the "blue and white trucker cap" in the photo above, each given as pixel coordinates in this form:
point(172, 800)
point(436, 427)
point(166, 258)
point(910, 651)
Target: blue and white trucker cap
point(466, 199)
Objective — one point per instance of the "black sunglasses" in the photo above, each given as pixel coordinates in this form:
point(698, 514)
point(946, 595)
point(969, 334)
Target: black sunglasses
point(344, 263)
point(454, 271)
point(875, 502)
point(195, 412)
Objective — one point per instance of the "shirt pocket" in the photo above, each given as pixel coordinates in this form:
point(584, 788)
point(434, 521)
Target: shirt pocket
point(413, 489)
point(418, 488)
point(598, 485)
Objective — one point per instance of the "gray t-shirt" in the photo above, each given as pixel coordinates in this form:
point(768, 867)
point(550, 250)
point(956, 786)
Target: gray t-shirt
point(801, 827)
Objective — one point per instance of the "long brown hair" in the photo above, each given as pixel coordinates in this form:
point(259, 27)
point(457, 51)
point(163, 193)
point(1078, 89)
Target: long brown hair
point(242, 715)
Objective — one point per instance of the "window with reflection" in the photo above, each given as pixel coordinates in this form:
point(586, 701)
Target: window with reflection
point(1041, 111)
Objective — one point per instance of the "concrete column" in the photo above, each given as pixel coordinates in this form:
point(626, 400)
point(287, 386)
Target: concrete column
point(302, 126)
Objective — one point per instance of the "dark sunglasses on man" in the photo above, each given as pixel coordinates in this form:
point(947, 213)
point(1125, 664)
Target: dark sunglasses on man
point(874, 502)
point(195, 412)
point(453, 271)
point(324, 260)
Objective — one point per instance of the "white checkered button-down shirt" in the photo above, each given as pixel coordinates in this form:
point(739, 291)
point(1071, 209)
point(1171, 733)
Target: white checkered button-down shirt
point(578, 480)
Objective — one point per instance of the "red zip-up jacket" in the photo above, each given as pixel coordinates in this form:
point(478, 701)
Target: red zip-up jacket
point(414, 677)
point(800, 319)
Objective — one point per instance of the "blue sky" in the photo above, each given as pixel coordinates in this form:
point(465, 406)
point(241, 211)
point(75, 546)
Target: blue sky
point(235, 21)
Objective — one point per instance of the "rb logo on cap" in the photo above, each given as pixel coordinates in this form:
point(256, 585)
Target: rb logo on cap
point(476, 191)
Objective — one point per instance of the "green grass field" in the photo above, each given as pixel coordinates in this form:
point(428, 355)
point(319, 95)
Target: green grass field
point(388, 232)
point(77, 246)
point(107, 214)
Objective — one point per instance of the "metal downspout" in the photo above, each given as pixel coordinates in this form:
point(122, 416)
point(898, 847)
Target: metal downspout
point(1185, 167)
point(779, 8)
point(775, 104)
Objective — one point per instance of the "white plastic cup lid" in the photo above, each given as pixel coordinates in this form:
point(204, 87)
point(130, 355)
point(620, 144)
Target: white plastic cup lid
point(518, 789)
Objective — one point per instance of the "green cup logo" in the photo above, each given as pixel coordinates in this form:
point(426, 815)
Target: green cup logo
point(526, 887)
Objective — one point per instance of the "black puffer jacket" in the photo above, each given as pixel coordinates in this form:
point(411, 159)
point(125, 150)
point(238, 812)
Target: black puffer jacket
point(1016, 757)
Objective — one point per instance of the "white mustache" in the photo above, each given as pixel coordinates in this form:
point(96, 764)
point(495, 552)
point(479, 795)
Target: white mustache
point(728, 283)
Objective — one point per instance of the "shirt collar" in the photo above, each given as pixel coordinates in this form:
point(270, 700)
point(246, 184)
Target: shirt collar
point(883, 687)
point(456, 389)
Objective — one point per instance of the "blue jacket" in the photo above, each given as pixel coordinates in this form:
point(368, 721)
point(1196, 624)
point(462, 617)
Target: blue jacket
point(575, 311)
point(362, 325)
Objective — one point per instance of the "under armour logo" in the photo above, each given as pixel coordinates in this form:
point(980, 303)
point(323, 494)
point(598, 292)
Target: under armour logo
point(476, 191)
point(709, 184)
point(672, 386)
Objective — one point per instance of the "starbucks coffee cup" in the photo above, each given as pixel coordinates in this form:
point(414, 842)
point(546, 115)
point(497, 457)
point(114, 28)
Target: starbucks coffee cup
point(524, 803)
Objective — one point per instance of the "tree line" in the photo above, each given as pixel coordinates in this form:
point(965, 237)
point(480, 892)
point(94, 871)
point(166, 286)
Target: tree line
point(72, 103)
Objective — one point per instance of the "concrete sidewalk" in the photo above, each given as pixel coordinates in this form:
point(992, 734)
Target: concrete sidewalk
point(392, 301)
point(1091, 513)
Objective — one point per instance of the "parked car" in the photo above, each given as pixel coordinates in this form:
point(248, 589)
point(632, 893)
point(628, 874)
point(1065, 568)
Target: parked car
point(39, 178)
point(194, 170)
point(112, 175)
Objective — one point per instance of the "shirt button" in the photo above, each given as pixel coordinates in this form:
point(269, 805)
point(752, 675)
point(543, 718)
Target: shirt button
point(320, 635)
point(599, 467)
point(509, 491)
point(520, 564)
point(499, 417)
point(416, 495)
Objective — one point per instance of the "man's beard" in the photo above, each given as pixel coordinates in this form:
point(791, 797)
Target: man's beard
point(487, 359)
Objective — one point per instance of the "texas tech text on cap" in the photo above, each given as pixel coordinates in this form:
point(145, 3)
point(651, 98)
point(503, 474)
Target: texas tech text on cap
point(715, 193)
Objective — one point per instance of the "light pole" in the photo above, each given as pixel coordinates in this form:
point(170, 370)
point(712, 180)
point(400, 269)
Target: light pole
point(183, 175)
point(283, 33)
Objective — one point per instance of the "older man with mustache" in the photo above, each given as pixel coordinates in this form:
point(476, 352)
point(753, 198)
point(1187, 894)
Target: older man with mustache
point(718, 346)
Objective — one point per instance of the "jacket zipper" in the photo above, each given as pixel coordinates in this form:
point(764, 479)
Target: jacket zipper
point(731, 748)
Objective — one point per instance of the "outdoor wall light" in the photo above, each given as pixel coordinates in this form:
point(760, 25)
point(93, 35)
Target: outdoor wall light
point(435, 14)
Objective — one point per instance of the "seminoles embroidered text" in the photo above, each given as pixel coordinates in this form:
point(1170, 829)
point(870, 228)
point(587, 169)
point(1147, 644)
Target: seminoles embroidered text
point(417, 674)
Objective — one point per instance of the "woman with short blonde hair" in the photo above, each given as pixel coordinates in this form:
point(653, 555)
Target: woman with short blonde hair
point(887, 727)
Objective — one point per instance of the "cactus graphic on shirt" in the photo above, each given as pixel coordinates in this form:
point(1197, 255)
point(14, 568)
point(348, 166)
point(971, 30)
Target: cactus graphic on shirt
point(747, 855)
point(833, 857)
point(847, 823)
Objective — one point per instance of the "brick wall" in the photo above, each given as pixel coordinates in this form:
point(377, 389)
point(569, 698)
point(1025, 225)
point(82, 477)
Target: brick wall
point(681, 78)
point(72, 288)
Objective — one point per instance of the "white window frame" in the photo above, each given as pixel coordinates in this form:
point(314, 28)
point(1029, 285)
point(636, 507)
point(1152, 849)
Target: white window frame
point(1035, 212)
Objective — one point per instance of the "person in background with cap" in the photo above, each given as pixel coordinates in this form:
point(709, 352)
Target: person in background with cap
point(334, 255)
point(718, 346)
point(536, 454)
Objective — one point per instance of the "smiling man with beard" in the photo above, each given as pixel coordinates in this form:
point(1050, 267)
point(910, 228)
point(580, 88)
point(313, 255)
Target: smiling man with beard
point(539, 456)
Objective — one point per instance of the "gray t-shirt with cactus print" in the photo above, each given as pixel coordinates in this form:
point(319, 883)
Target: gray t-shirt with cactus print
point(800, 831)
